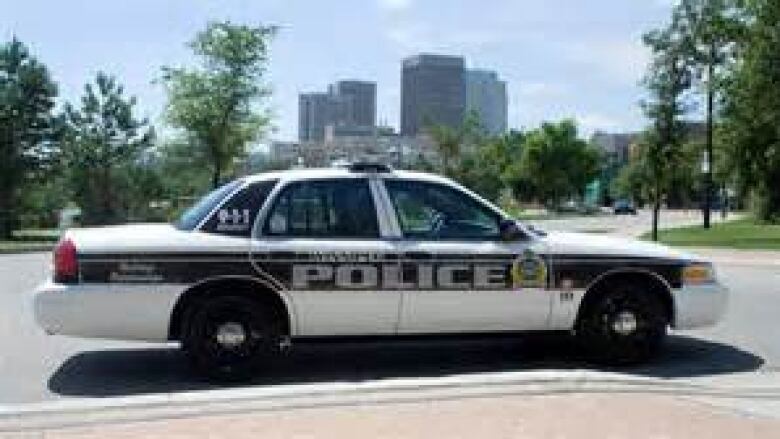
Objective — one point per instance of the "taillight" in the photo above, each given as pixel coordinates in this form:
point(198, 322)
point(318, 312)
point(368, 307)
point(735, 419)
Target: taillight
point(66, 265)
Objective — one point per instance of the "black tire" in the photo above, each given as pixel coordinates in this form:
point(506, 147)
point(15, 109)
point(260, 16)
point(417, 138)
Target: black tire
point(256, 339)
point(604, 328)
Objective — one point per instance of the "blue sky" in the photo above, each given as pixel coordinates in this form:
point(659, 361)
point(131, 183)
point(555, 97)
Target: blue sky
point(561, 58)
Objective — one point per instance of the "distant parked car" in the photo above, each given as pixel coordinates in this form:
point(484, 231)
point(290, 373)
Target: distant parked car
point(574, 206)
point(624, 206)
point(570, 206)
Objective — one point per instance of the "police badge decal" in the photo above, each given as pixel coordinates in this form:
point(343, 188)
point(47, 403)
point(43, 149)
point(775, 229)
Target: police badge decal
point(529, 270)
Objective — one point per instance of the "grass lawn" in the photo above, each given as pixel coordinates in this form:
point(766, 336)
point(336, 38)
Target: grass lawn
point(39, 235)
point(24, 246)
point(741, 234)
point(30, 240)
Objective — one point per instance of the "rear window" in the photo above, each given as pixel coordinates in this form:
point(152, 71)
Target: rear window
point(198, 212)
point(237, 215)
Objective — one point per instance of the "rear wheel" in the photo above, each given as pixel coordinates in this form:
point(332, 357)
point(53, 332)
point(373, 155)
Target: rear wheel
point(231, 337)
point(625, 324)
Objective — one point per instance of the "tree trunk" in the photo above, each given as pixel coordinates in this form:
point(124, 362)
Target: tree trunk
point(656, 212)
point(109, 213)
point(216, 176)
point(769, 202)
point(6, 218)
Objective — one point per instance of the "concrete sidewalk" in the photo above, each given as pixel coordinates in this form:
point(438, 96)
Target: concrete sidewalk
point(580, 416)
point(728, 256)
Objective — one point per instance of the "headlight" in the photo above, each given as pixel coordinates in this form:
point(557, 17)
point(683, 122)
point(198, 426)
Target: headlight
point(698, 273)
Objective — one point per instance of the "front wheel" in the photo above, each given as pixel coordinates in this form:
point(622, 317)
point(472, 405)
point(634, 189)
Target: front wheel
point(230, 338)
point(625, 324)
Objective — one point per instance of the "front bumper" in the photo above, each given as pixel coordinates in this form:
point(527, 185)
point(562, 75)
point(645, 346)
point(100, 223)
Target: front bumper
point(115, 311)
point(697, 306)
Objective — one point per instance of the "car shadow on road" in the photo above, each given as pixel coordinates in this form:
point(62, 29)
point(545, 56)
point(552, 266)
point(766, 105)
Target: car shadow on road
point(164, 370)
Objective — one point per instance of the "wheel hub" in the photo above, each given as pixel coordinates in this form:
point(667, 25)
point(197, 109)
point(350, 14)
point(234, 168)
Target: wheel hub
point(625, 323)
point(230, 335)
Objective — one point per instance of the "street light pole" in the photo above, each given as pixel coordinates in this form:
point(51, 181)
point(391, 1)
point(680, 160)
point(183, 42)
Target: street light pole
point(708, 155)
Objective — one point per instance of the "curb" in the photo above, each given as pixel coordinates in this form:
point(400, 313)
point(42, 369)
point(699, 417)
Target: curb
point(86, 411)
point(741, 262)
point(738, 257)
point(42, 249)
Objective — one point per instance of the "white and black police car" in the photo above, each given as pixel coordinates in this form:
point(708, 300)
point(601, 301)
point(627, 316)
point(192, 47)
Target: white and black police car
point(363, 250)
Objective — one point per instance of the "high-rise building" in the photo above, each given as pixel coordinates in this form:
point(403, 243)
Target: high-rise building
point(314, 113)
point(360, 97)
point(348, 106)
point(432, 92)
point(615, 146)
point(486, 97)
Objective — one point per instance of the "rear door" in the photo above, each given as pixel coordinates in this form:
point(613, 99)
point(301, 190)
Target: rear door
point(461, 276)
point(320, 239)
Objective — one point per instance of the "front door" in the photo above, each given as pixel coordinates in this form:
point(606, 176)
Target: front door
point(461, 276)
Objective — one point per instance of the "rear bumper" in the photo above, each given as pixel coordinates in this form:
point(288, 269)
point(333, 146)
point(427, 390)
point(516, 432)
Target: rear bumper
point(116, 311)
point(699, 306)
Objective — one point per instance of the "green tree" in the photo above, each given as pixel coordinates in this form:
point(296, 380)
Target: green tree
point(102, 152)
point(631, 181)
point(636, 181)
point(447, 141)
point(556, 164)
point(686, 184)
point(27, 127)
point(709, 30)
point(454, 144)
point(752, 109)
point(217, 104)
point(185, 177)
point(506, 153)
point(510, 155)
point(486, 168)
point(667, 80)
point(43, 199)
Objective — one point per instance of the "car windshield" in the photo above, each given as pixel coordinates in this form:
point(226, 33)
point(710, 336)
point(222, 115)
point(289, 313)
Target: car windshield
point(198, 211)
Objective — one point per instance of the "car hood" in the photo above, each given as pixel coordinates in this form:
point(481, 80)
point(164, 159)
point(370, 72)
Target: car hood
point(588, 244)
point(150, 238)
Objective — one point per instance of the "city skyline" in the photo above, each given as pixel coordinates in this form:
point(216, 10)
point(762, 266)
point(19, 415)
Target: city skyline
point(486, 97)
point(436, 89)
point(433, 92)
point(560, 60)
point(348, 104)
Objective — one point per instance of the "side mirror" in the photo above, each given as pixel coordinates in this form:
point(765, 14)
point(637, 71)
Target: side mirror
point(510, 231)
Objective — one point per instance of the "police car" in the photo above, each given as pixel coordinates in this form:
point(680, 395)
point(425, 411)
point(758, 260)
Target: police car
point(363, 250)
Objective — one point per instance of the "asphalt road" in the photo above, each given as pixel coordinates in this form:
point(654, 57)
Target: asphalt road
point(36, 367)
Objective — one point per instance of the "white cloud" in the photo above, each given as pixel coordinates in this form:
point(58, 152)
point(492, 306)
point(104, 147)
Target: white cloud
point(395, 5)
point(388, 100)
point(619, 60)
point(406, 36)
point(589, 123)
point(667, 3)
point(541, 90)
point(416, 37)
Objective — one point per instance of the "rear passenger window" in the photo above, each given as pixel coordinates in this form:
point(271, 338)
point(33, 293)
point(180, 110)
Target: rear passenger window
point(237, 215)
point(332, 208)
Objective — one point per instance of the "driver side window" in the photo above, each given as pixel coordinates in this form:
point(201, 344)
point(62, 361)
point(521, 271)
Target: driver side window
point(435, 211)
